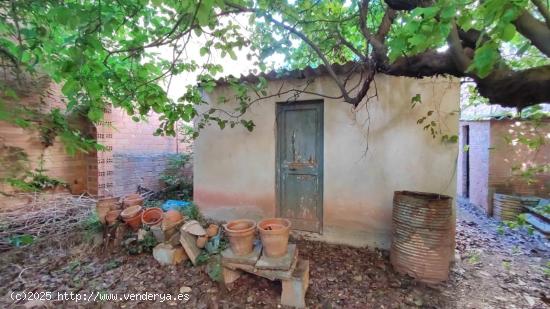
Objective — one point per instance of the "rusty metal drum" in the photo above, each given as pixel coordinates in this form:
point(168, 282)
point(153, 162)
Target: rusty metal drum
point(423, 228)
point(509, 207)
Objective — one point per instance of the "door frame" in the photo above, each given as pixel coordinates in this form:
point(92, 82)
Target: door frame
point(279, 107)
point(465, 161)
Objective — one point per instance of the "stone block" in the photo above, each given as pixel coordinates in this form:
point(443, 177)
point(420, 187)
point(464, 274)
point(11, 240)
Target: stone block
point(294, 289)
point(279, 263)
point(266, 273)
point(189, 243)
point(250, 259)
point(229, 275)
point(166, 254)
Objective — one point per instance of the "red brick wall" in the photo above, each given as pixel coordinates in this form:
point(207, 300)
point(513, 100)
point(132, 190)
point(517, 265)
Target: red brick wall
point(478, 152)
point(492, 157)
point(507, 153)
point(139, 157)
point(71, 169)
point(134, 156)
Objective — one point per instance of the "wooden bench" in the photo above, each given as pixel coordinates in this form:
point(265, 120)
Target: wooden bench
point(294, 277)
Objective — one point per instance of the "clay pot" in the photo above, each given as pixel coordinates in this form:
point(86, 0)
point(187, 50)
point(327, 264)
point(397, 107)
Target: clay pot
point(173, 216)
point(241, 235)
point(201, 241)
point(103, 206)
point(170, 228)
point(134, 222)
point(132, 201)
point(152, 216)
point(131, 212)
point(212, 230)
point(274, 233)
point(112, 216)
point(132, 216)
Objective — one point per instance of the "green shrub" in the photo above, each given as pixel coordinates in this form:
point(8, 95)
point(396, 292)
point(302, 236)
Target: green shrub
point(178, 185)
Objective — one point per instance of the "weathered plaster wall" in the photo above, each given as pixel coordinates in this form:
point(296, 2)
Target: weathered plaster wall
point(234, 170)
point(478, 151)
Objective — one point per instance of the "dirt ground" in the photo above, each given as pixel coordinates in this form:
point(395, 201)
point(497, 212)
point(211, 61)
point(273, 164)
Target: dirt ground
point(492, 271)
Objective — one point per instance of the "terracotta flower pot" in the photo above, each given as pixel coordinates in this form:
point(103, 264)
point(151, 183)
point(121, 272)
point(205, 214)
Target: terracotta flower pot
point(132, 216)
point(133, 222)
point(274, 233)
point(212, 230)
point(152, 216)
point(112, 217)
point(132, 201)
point(170, 228)
point(241, 235)
point(130, 212)
point(172, 216)
point(103, 206)
point(201, 241)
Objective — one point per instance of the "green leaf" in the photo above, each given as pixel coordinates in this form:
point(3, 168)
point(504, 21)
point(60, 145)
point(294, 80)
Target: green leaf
point(508, 32)
point(95, 114)
point(70, 87)
point(232, 54)
point(484, 59)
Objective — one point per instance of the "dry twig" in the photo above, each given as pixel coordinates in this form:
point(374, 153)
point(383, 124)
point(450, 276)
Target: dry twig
point(45, 216)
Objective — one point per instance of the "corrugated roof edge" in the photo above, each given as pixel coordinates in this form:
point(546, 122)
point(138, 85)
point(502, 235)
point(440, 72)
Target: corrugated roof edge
point(305, 73)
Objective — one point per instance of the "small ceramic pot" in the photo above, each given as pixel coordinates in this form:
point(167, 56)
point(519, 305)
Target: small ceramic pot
point(241, 235)
point(152, 216)
point(172, 216)
point(112, 217)
point(132, 216)
point(133, 201)
point(103, 206)
point(212, 230)
point(201, 241)
point(131, 212)
point(274, 234)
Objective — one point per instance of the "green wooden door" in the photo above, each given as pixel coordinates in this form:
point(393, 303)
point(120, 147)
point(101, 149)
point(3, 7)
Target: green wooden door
point(300, 164)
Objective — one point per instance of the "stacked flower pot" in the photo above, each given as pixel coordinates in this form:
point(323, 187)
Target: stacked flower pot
point(271, 257)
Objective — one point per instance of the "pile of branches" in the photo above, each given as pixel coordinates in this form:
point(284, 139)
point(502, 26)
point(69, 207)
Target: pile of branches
point(45, 216)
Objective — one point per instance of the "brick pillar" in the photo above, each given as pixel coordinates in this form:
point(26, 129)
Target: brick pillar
point(100, 164)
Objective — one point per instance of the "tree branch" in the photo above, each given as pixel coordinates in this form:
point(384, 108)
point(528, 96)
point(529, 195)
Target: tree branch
point(407, 5)
point(461, 60)
point(351, 47)
point(306, 40)
point(516, 88)
point(535, 31)
point(543, 10)
point(385, 25)
point(426, 64)
point(379, 48)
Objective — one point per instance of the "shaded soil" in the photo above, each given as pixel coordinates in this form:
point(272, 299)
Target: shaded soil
point(492, 271)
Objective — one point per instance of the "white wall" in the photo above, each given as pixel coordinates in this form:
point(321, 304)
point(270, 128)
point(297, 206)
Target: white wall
point(234, 170)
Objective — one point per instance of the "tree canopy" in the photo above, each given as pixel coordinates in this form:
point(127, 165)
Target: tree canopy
point(106, 52)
